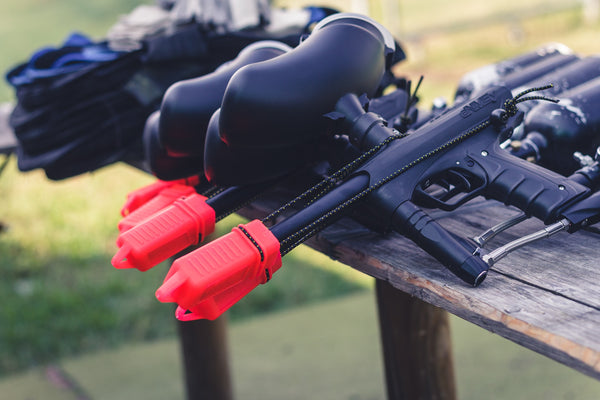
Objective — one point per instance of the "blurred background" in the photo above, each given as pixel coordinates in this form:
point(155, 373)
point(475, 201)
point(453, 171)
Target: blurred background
point(71, 326)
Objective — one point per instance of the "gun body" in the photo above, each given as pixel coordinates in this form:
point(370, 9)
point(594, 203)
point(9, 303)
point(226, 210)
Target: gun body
point(459, 153)
point(484, 168)
point(474, 166)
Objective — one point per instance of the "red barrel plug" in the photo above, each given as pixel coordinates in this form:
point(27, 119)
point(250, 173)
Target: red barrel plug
point(159, 201)
point(178, 226)
point(141, 196)
point(209, 280)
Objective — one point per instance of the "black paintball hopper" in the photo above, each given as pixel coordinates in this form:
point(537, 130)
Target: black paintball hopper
point(188, 105)
point(163, 166)
point(229, 165)
point(174, 137)
point(272, 113)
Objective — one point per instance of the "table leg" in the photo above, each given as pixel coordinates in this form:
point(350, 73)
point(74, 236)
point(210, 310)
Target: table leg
point(205, 359)
point(417, 349)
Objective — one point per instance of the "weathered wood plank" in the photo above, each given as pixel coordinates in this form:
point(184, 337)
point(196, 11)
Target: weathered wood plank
point(544, 297)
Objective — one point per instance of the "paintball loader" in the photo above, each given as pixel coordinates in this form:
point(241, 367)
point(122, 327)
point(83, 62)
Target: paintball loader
point(174, 136)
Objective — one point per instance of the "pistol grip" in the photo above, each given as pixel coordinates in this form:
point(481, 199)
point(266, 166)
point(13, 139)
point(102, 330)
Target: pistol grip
point(531, 188)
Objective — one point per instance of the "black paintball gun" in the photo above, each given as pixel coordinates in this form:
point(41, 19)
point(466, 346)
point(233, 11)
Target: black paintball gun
point(514, 71)
point(446, 162)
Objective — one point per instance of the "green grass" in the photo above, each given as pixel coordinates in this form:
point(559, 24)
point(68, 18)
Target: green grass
point(59, 294)
point(328, 350)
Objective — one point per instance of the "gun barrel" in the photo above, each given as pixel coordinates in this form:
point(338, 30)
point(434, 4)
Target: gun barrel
point(304, 223)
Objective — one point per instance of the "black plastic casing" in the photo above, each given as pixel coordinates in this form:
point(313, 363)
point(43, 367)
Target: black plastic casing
point(272, 114)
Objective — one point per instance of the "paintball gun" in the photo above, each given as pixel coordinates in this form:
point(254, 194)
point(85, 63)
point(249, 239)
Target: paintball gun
point(443, 164)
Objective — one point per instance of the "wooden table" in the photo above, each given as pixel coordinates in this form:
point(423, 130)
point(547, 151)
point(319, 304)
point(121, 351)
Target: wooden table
point(545, 297)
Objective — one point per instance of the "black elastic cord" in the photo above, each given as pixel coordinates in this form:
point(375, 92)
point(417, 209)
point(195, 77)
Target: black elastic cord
point(254, 242)
point(260, 250)
point(329, 182)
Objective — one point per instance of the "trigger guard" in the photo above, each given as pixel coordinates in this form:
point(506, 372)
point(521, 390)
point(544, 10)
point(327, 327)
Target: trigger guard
point(467, 170)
